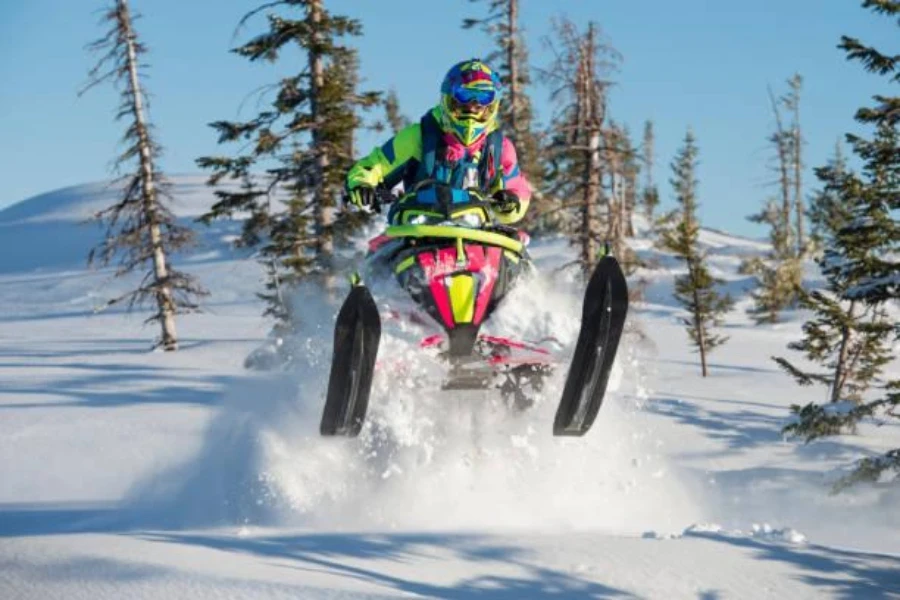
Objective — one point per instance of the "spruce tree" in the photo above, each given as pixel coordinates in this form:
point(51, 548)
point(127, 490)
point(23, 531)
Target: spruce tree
point(631, 170)
point(621, 161)
point(649, 193)
point(861, 263)
point(302, 139)
point(827, 212)
point(781, 140)
point(695, 290)
point(779, 286)
point(780, 273)
point(847, 337)
point(510, 58)
point(580, 140)
point(791, 102)
point(141, 230)
point(395, 119)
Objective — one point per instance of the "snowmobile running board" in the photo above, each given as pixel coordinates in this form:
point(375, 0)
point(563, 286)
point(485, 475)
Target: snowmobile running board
point(357, 333)
point(602, 320)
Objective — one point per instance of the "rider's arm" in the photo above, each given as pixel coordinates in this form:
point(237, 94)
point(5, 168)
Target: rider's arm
point(386, 164)
point(514, 181)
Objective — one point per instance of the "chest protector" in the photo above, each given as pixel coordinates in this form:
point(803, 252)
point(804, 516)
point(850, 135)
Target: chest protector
point(480, 171)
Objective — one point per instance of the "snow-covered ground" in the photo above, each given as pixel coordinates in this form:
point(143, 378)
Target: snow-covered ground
point(130, 474)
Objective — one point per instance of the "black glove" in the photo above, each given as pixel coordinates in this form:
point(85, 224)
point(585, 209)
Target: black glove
point(505, 201)
point(361, 196)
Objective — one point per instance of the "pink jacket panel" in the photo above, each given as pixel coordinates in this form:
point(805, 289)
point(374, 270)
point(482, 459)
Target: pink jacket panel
point(513, 179)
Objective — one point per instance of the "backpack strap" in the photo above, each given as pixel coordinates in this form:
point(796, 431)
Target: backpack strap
point(489, 164)
point(490, 168)
point(431, 135)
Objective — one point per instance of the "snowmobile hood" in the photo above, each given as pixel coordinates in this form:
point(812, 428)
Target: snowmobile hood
point(452, 232)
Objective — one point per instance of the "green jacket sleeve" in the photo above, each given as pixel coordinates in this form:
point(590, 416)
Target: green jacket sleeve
point(389, 160)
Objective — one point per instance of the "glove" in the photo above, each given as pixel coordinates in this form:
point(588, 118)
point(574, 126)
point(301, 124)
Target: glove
point(361, 196)
point(505, 201)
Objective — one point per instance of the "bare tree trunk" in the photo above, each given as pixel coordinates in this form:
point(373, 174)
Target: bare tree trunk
point(648, 168)
point(784, 180)
point(590, 225)
point(164, 300)
point(798, 197)
point(512, 58)
point(323, 212)
point(614, 222)
point(648, 154)
point(840, 368)
point(698, 321)
point(615, 204)
point(630, 200)
point(798, 164)
point(623, 216)
point(592, 114)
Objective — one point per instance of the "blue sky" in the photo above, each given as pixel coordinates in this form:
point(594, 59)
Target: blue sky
point(698, 63)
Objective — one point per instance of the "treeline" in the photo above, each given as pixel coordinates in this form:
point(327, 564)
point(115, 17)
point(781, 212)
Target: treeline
point(282, 169)
point(285, 168)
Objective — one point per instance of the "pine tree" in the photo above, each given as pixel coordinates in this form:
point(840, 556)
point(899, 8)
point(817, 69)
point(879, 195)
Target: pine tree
point(851, 331)
point(861, 267)
point(516, 113)
point(621, 160)
point(649, 193)
point(631, 169)
point(141, 230)
point(791, 102)
point(848, 337)
point(780, 273)
point(696, 290)
point(780, 283)
point(781, 143)
point(395, 119)
point(580, 141)
point(827, 212)
point(303, 139)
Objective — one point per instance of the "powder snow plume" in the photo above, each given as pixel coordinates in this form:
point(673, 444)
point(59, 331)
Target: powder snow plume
point(461, 460)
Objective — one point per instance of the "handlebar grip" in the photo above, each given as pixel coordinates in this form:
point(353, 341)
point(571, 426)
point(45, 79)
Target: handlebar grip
point(383, 196)
point(376, 201)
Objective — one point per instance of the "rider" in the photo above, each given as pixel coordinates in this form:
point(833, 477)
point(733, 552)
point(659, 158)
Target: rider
point(458, 142)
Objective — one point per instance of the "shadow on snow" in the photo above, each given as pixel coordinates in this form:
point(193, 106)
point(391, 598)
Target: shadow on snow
point(836, 573)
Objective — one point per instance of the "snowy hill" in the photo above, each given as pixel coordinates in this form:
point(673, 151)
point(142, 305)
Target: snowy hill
point(128, 474)
point(64, 216)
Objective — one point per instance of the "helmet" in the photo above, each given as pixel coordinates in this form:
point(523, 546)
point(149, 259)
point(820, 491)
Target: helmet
point(470, 99)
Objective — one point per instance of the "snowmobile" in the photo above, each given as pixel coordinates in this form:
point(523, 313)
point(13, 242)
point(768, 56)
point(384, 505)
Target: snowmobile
point(447, 251)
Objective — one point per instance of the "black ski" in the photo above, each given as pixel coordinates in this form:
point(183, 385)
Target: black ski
point(356, 336)
point(602, 321)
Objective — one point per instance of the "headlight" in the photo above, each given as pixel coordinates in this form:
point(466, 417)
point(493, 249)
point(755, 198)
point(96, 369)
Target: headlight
point(470, 220)
point(418, 220)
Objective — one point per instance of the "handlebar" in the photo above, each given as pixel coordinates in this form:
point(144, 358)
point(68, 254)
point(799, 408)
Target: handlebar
point(431, 182)
point(383, 195)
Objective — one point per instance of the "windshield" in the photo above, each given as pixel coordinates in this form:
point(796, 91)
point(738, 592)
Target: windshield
point(442, 205)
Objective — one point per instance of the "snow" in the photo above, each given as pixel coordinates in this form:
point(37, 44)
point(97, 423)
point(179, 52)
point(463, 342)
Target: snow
point(877, 286)
point(133, 474)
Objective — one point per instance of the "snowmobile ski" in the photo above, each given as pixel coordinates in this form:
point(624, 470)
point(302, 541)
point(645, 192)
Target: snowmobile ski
point(357, 333)
point(602, 321)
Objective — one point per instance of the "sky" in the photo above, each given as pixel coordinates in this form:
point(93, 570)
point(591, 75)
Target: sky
point(703, 64)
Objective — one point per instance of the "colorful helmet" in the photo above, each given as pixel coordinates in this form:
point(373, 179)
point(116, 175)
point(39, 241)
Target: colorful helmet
point(470, 99)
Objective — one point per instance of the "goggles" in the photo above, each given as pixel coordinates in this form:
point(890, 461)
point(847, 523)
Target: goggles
point(461, 111)
point(467, 96)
